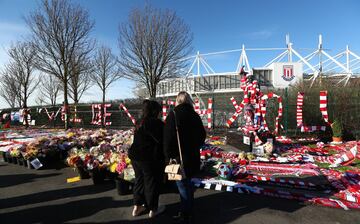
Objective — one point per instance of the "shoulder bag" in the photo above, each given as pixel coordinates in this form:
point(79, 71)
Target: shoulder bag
point(175, 170)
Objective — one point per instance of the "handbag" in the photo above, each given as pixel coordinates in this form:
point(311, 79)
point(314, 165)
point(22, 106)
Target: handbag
point(174, 170)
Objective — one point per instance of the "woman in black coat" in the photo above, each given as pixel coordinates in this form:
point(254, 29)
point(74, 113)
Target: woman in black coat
point(192, 136)
point(147, 159)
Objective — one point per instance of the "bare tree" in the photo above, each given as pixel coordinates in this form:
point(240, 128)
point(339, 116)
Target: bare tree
point(9, 90)
point(49, 90)
point(152, 43)
point(22, 67)
point(80, 80)
point(105, 71)
point(60, 30)
point(140, 91)
point(40, 100)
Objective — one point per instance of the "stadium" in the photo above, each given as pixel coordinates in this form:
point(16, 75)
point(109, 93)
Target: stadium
point(285, 69)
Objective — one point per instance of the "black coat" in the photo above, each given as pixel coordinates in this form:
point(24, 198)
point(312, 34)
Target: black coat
point(192, 136)
point(147, 145)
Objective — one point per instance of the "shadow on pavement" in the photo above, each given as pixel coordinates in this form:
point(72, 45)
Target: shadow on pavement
point(56, 165)
point(63, 212)
point(54, 195)
point(217, 208)
point(169, 187)
point(15, 179)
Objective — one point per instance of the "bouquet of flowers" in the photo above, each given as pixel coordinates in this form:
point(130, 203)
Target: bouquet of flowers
point(76, 157)
point(31, 151)
point(15, 151)
point(102, 152)
point(70, 134)
point(75, 161)
point(91, 163)
point(125, 169)
point(122, 137)
point(122, 164)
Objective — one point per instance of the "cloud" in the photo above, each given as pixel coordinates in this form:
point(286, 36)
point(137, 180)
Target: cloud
point(262, 34)
point(11, 27)
point(10, 33)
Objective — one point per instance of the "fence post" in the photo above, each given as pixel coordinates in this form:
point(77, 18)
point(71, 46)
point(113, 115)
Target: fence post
point(358, 114)
point(286, 111)
point(213, 113)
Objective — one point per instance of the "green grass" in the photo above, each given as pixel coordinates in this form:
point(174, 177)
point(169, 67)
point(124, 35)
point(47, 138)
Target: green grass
point(343, 168)
point(322, 165)
point(333, 152)
point(354, 165)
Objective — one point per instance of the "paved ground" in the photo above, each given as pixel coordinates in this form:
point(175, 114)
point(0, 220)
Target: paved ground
point(43, 196)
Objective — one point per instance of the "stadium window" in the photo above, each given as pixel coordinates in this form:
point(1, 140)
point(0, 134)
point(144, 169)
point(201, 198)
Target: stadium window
point(215, 82)
point(237, 81)
point(171, 87)
point(232, 82)
point(222, 82)
point(199, 83)
point(227, 83)
point(270, 77)
point(211, 84)
point(203, 83)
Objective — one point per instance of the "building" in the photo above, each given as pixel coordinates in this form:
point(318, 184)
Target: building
point(282, 71)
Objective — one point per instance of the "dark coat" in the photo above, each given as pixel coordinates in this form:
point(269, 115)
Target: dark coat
point(147, 144)
point(192, 136)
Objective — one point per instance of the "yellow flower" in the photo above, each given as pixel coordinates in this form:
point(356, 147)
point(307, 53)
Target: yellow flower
point(70, 134)
point(127, 161)
point(113, 167)
point(217, 143)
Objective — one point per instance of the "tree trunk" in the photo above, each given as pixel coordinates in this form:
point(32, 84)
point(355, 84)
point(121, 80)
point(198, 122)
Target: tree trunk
point(76, 101)
point(54, 119)
point(153, 92)
point(25, 101)
point(103, 110)
point(75, 113)
point(26, 115)
point(25, 111)
point(26, 119)
point(66, 105)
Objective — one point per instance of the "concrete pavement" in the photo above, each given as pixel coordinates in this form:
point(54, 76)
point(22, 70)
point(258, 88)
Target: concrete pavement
point(43, 196)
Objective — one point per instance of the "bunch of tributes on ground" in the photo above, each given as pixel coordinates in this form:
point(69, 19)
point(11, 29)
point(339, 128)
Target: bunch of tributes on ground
point(103, 151)
point(86, 150)
point(320, 173)
point(281, 167)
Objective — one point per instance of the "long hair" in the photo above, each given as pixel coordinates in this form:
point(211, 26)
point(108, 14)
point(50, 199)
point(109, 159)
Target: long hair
point(184, 97)
point(151, 109)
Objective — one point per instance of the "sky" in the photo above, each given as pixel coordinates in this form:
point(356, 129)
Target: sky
point(216, 26)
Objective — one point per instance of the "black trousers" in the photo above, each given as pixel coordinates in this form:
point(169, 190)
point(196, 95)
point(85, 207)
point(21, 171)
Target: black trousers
point(148, 180)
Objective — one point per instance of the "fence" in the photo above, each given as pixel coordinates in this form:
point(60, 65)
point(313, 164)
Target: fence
point(343, 104)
